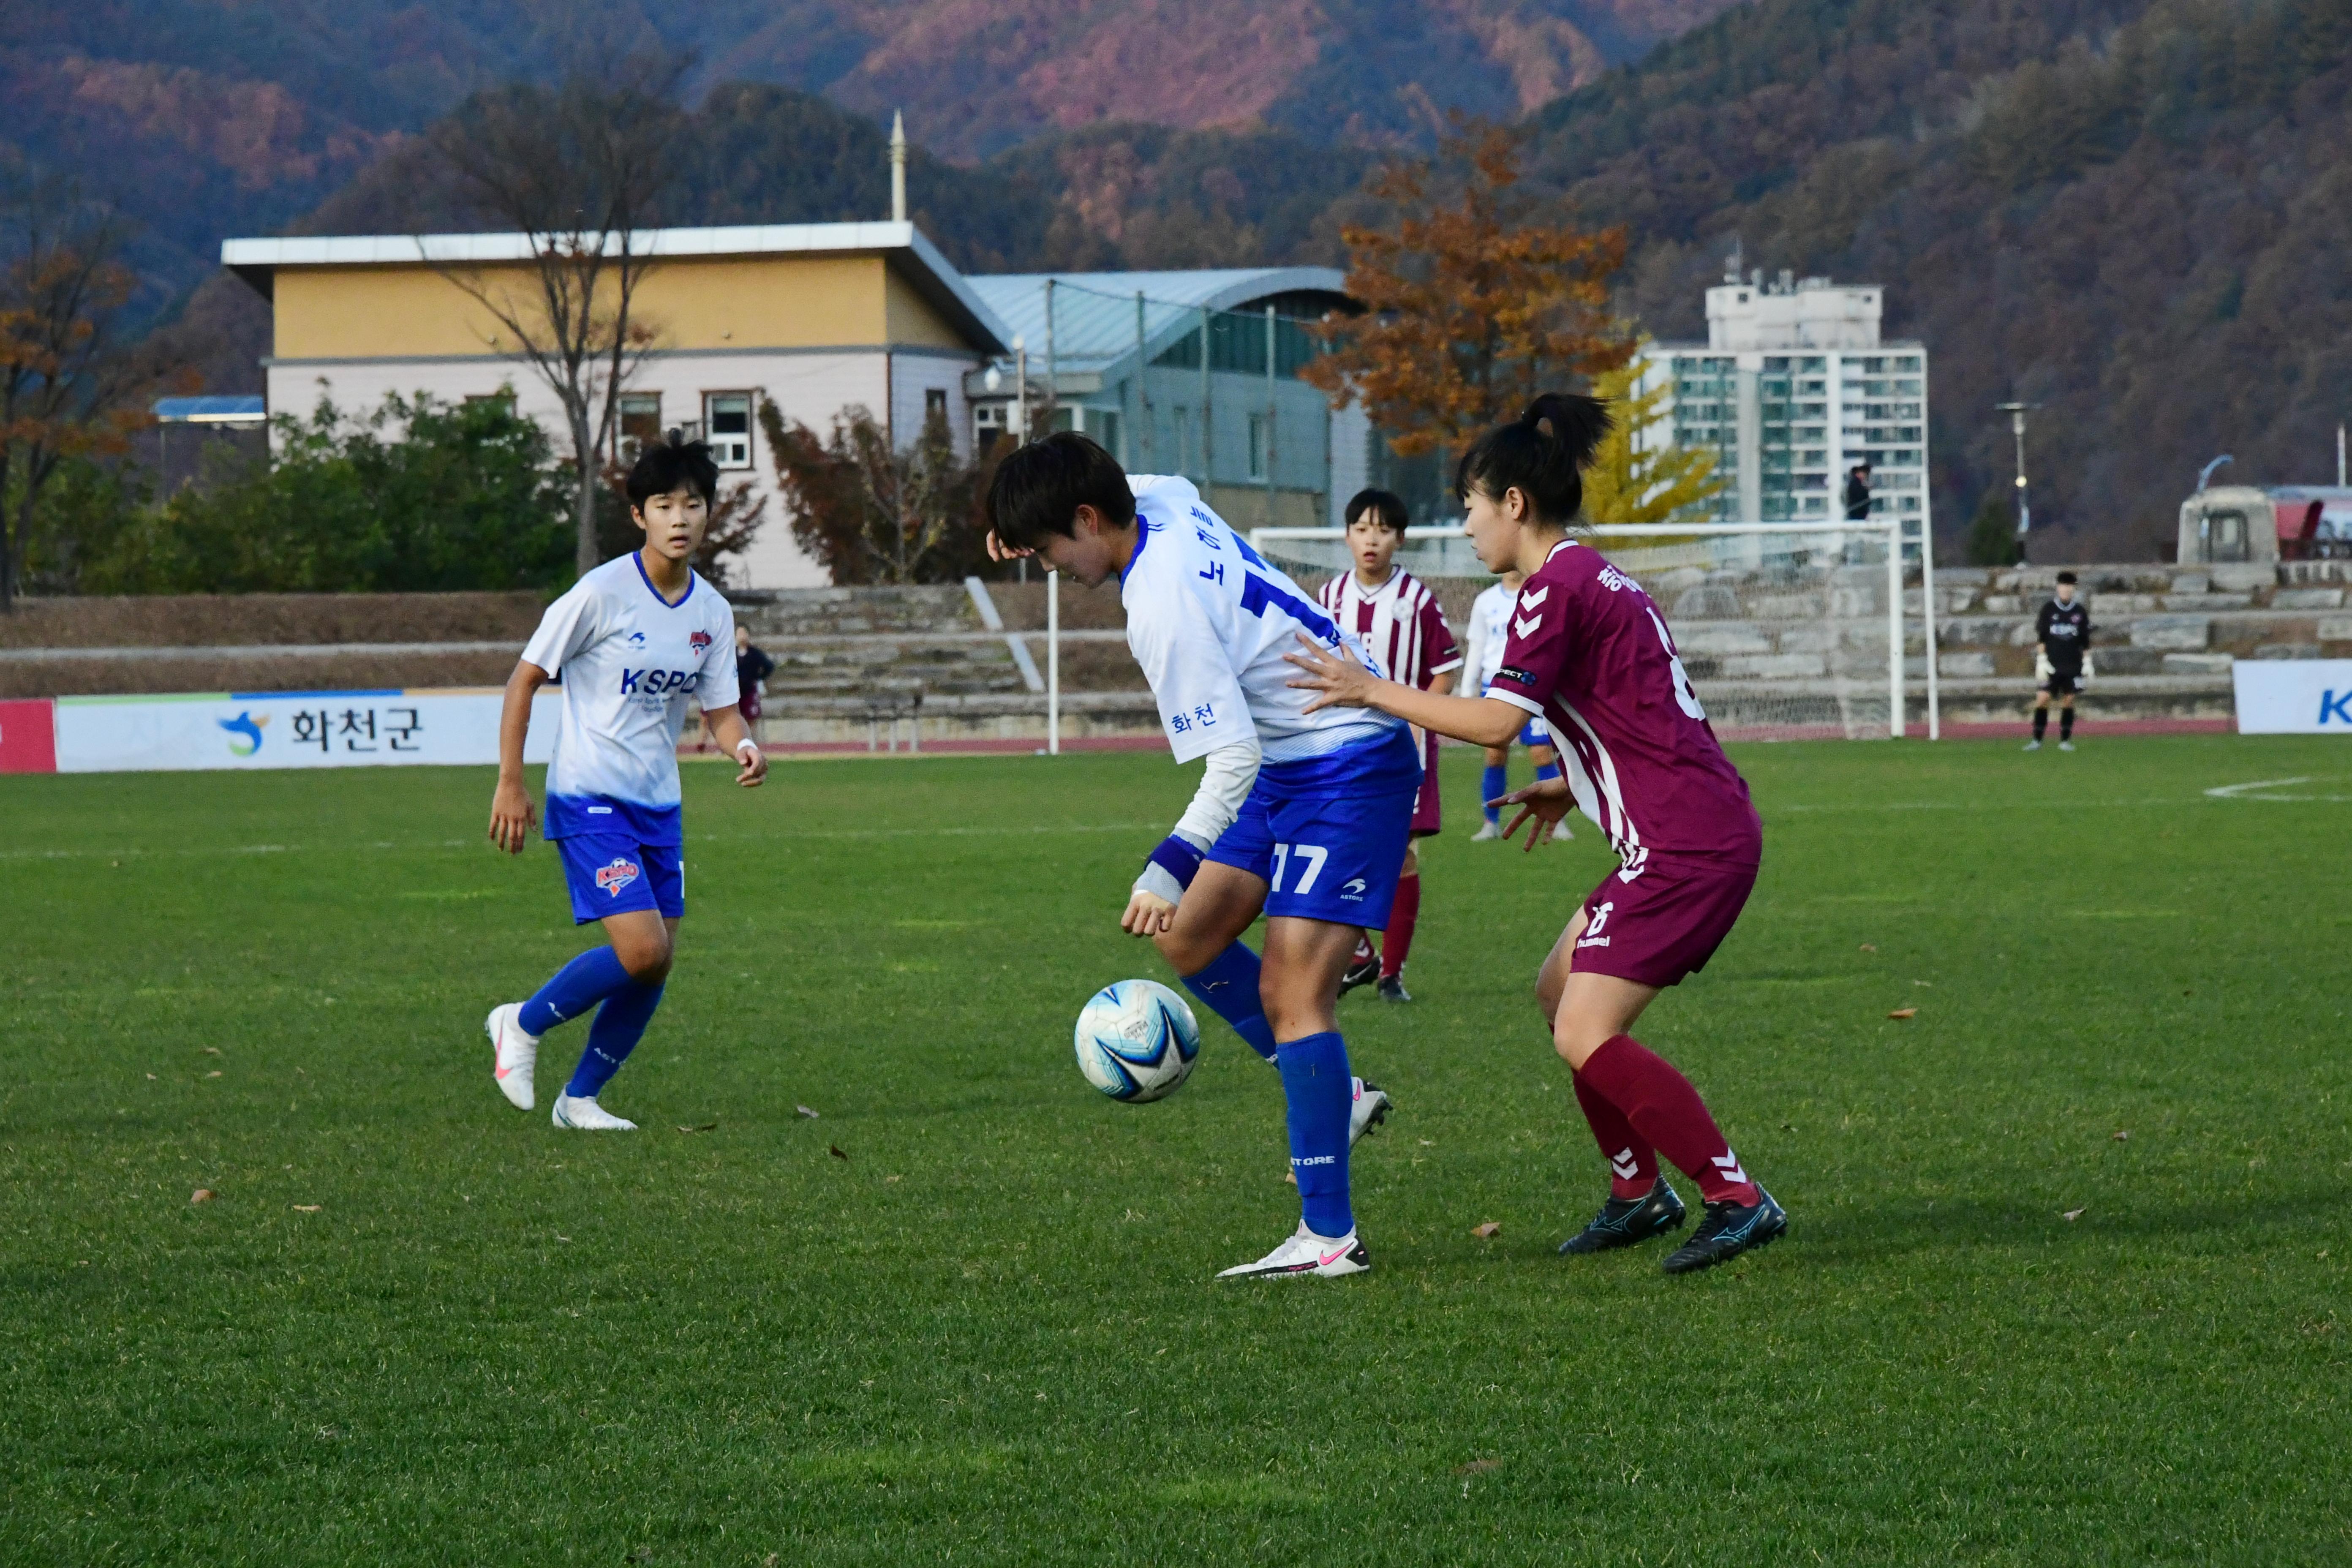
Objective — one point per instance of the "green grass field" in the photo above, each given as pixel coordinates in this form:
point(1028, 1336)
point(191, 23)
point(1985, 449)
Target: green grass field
point(418, 1326)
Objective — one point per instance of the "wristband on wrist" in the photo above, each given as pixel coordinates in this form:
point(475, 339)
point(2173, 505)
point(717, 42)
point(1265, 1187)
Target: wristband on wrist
point(1178, 858)
point(746, 741)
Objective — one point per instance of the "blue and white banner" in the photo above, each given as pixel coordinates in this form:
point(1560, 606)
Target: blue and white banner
point(2293, 696)
point(291, 729)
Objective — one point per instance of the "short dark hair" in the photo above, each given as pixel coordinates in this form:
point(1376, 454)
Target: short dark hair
point(1039, 488)
point(1863, 467)
point(1388, 511)
point(669, 463)
point(2068, 578)
point(1541, 454)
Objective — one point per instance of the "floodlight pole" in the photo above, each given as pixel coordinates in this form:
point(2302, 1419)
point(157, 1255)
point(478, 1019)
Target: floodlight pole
point(898, 167)
point(1021, 386)
point(2016, 412)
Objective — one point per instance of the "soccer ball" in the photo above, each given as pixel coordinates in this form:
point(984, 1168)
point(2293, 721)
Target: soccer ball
point(1137, 1040)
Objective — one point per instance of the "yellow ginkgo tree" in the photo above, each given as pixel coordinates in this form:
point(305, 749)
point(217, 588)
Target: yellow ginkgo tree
point(1640, 475)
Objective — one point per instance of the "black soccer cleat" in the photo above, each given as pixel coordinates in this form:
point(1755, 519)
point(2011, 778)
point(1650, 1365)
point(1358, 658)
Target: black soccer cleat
point(1627, 1222)
point(1728, 1230)
point(1393, 989)
point(1359, 973)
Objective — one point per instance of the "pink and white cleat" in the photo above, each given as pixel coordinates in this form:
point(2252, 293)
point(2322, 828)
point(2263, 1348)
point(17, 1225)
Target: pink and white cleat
point(1306, 1254)
point(518, 1054)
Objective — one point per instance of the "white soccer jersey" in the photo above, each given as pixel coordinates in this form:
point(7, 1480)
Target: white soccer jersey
point(1488, 614)
point(1209, 620)
point(628, 659)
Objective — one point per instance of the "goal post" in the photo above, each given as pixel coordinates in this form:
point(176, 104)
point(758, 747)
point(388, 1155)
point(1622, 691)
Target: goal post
point(1789, 630)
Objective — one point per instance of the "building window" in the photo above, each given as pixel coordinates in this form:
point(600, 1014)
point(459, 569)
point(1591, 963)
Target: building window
point(988, 422)
point(1102, 423)
point(728, 420)
point(640, 423)
point(1260, 438)
point(935, 406)
point(1183, 439)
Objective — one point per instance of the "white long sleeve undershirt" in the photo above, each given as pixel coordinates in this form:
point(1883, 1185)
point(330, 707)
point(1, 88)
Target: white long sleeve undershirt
point(1224, 785)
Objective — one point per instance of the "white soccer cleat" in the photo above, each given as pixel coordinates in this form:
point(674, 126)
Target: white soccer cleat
point(517, 1054)
point(1487, 833)
point(2032, 745)
point(1367, 1110)
point(583, 1114)
point(1304, 1254)
point(2065, 745)
point(1561, 831)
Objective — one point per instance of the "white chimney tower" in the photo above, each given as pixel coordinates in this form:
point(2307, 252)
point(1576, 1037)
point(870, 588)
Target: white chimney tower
point(898, 167)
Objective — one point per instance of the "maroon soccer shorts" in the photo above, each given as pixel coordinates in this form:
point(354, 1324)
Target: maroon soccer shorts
point(1424, 804)
point(1664, 923)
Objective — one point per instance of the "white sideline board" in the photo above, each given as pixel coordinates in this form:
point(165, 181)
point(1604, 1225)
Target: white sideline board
point(2293, 696)
point(249, 730)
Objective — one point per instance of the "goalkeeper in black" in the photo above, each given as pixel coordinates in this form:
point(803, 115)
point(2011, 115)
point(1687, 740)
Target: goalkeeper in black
point(2062, 662)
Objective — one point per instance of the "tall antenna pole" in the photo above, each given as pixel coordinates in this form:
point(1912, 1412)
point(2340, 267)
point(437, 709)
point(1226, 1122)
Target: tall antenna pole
point(1053, 372)
point(898, 167)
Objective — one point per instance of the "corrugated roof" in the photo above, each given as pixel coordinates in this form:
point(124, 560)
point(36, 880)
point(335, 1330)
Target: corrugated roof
point(1094, 312)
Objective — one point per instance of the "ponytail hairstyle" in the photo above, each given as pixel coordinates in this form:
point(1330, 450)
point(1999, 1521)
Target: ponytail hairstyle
point(1541, 454)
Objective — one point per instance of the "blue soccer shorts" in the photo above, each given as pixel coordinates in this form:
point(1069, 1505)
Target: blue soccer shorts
point(1328, 836)
point(1533, 733)
point(611, 874)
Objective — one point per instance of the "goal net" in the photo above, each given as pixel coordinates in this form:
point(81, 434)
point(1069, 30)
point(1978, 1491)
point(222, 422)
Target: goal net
point(1788, 631)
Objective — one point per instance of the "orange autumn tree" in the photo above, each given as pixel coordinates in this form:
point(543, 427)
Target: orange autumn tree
point(1474, 301)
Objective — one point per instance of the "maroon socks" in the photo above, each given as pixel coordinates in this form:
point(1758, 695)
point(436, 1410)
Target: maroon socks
point(1397, 941)
point(1659, 1105)
point(1633, 1163)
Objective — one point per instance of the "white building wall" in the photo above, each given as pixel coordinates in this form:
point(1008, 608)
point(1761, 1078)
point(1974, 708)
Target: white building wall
point(809, 387)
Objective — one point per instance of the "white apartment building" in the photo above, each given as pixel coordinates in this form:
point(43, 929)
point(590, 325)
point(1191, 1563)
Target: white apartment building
point(1793, 387)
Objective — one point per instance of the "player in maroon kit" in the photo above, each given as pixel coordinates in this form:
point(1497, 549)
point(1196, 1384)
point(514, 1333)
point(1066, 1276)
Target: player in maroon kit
point(1590, 655)
point(1396, 617)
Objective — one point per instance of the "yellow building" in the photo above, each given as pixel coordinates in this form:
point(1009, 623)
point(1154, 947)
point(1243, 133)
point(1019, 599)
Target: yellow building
point(814, 318)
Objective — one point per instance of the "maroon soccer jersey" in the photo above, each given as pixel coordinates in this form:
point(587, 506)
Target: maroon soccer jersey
point(1399, 624)
point(1588, 653)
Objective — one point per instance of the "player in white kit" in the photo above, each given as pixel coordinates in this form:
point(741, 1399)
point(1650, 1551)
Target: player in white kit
point(631, 642)
point(1297, 816)
point(1490, 616)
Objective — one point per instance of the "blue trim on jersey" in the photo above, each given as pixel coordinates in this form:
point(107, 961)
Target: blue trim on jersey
point(639, 557)
point(1144, 529)
point(1257, 593)
point(1377, 766)
point(603, 816)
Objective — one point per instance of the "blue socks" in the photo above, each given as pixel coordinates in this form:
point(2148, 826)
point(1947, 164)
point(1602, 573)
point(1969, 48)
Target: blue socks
point(1549, 771)
point(577, 986)
point(1491, 785)
point(620, 1025)
point(1316, 1084)
point(1228, 987)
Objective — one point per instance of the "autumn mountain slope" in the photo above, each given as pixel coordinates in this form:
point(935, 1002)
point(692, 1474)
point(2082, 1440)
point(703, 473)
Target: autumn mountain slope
point(204, 120)
point(2137, 214)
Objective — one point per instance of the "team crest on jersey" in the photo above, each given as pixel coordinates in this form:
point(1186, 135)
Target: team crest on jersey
point(612, 878)
point(698, 641)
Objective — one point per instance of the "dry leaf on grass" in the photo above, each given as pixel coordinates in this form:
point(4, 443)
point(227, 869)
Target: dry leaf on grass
point(706, 1127)
point(215, 1073)
point(1870, 947)
point(201, 1195)
point(887, 1180)
point(1486, 1232)
point(2077, 1214)
point(805, 1111)
point(836, 1151)
point(1290, 1176)
point(151, 1077)
point(306, 1208)
point(2122, 1133)
point(1904, 1013)
point(1477, 1466)
point(212, 1050)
